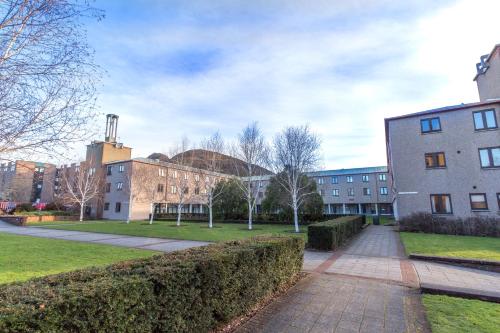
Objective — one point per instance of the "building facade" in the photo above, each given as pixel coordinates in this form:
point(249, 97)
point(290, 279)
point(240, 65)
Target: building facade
point(446, 161)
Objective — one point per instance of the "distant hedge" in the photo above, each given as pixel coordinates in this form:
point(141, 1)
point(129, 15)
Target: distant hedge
point(188, 291)
point(471, 226)
point(331, 234)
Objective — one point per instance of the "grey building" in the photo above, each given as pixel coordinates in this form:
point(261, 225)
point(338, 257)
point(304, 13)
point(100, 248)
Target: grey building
point(446, 161)
point(355, 191)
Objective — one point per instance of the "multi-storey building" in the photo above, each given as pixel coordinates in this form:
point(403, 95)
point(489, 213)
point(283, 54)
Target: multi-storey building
point(446, 161)
point(26, 181)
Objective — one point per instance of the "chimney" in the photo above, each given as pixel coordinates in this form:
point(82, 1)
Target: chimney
point(111, 128)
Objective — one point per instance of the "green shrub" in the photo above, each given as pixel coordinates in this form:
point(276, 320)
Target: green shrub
point(331, 234)
point(187, 291)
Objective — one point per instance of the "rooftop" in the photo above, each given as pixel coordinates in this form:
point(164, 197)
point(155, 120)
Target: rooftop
point(353, 171)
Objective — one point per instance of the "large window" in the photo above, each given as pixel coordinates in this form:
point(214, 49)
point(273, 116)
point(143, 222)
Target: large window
point(490, 157)
point(478, 201)
point(350, 192)
point(365, 178)
point(366, 191)
point(485, 119)
point(429, 125)
point(335, 192)
point(349, 179)
point(441, 204)
point(435, 160)
point(383, 191)
point(335, 180)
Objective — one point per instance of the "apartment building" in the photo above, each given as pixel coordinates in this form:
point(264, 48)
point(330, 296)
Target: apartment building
point(355, 191)
point(26, 181)
point(446, 161)
point(139, 185)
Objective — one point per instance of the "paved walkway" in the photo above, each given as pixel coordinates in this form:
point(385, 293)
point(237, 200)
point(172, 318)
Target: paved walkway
point(145, 243)
point(365, 288)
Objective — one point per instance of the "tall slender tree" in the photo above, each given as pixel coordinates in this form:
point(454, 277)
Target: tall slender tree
point(295, 151)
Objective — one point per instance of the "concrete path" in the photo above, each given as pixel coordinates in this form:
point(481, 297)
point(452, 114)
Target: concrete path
point(367, 287)
point(144, 243)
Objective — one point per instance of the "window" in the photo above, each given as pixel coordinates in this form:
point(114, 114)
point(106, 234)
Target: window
point(335, 192)
point(196, 190)
point(478, 201)
point(365, 178)
point(485, 119)
point(441, 204)
point(173, 189)
point(108, 187)
point(174, 174)
point(349, 179)
point(382, 177)
point(121, 168)
point(186, 176)
point(430, 125)
point(383, 191)
point(197, 178)
point(321, 181)
point(490, 157)
point(320, 192)
point(350, 192)
point(498, 200)
point(118, 207)
point(91, 171)
point(435, 160)
point(186, 190)
point(160, 188)
point(366, 191)
point(109, 170)
point(119, 186)
point(161, 172)
point(106, 206)
point(335, 180)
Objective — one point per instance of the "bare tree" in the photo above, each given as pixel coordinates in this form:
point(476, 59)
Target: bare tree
point(47, 76)
point(295, 152)
point(213, 148)
point(180, 179)
point(252, 149)
point(80, 186)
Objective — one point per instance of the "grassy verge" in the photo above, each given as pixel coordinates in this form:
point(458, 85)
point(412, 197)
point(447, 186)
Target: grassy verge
point(187, 230)
point(25, 257)
point(457, 315)
point(487, 248)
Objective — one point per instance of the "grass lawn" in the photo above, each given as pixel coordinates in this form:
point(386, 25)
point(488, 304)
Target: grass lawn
point(383, 220)
point(25, 257)
point(187, 230)
point(455, 315)
point(487, 248)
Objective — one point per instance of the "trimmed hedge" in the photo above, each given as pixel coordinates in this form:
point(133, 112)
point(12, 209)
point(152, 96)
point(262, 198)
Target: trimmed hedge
point(194, 290)
point(331, 234)
point(471, 226)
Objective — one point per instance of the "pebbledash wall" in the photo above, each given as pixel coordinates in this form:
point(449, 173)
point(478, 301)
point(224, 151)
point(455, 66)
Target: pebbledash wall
point(446, 161)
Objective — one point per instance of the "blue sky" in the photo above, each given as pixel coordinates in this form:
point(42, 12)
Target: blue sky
point(190, 68)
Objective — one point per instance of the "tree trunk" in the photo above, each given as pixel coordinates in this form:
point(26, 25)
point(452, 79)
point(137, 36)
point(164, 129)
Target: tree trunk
point(250, 212)
point(151, 217)
point(295, 214)
point(210, 224)
point(179, 208)
point(81, 211)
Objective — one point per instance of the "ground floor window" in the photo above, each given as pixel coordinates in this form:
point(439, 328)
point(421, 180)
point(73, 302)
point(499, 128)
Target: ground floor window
point(118, 207)
point(441, 204)
point(106, 206)
point(498, 200)
point(478, 201)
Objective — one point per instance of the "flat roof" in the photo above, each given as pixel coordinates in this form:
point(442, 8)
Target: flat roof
point(352, 171)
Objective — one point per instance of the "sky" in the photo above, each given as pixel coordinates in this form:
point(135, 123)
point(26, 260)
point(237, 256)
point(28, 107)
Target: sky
point(190, 68)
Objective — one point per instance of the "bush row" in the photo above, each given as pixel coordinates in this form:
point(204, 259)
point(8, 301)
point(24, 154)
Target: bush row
point(243, 218)
point(472, 226)
point(188, 291)
point(331, 234)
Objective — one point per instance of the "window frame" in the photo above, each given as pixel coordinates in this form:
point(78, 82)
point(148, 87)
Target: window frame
point(365, 178)
point(106, 206)
point(441, 194)
point(350, 192)
point(382, 175)
point(118, 207)
point(335, 192)
point(386, 191)
point(431, 130)
point(490, 157)
point(160, 188)
point(109, 170)
point(108, 188)
point(483, 117)
point(335, 179)
point(434, 156)
point(121, 168)
point(119, 186)
point(349, 179)
point(485, 201)
point(367, 191)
